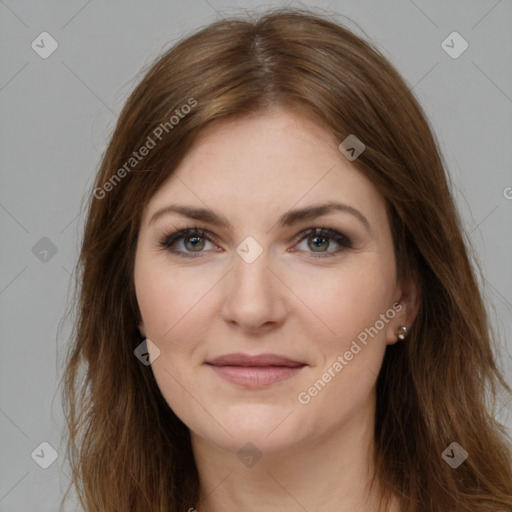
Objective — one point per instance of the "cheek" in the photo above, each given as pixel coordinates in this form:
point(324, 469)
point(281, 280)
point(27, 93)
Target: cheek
point(167, 298)
point(345, 301)
point(355, 308)
point(169, 302)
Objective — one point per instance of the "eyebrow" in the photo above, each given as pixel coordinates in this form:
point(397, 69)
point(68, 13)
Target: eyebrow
point(285, 220)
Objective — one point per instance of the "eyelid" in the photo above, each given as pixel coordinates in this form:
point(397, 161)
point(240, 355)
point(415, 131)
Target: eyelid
point(344, 241)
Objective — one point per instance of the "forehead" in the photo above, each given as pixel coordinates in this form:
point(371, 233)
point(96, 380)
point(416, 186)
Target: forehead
point(267, 162)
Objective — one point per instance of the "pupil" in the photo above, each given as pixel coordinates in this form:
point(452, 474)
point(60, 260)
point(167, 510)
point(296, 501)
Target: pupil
point(316, 239)
point(194, 241)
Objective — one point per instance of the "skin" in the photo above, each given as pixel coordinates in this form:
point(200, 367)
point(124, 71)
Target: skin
point(292, 301)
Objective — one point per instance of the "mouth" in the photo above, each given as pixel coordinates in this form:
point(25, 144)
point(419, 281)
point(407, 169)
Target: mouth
point(255, 372)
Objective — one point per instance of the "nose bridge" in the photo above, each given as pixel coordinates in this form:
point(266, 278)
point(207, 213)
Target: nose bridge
point(252, 276)
point(254, 295)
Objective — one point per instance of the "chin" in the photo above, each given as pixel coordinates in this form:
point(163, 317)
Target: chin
point(254, 443)
point(270, 428)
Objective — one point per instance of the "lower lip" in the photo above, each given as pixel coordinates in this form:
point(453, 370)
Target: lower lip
point(256, 376)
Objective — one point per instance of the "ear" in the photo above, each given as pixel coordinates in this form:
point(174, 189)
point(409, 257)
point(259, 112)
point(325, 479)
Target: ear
point(406, 306)
point(142, 329)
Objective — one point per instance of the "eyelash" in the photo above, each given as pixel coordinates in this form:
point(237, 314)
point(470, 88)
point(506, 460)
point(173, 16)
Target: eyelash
point(170, 239)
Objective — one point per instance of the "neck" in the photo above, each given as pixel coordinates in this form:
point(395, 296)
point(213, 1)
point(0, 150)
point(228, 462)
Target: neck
point(333, 473)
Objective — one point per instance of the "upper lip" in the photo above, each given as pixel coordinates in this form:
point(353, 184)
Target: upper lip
point(239, 359)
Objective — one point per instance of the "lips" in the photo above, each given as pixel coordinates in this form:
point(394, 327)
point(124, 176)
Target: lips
point(239, 359)
point(255, 372)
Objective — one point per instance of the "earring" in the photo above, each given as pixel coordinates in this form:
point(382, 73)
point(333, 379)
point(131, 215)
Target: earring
point(401, 332)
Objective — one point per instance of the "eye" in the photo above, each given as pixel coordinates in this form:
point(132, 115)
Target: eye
point(193, 240)
point(320, 239)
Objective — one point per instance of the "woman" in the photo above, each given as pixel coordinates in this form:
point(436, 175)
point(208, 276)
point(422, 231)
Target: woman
point(277, 310)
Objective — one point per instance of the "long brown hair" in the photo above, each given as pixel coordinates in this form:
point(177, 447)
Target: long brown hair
point(126, 447)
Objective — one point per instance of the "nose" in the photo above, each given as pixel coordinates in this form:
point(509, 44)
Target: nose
point(254, 296)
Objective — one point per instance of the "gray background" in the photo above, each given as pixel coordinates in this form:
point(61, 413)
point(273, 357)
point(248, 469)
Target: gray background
point(56, 114)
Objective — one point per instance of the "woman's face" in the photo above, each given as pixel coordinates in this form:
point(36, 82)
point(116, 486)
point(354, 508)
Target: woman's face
point(259, 280)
